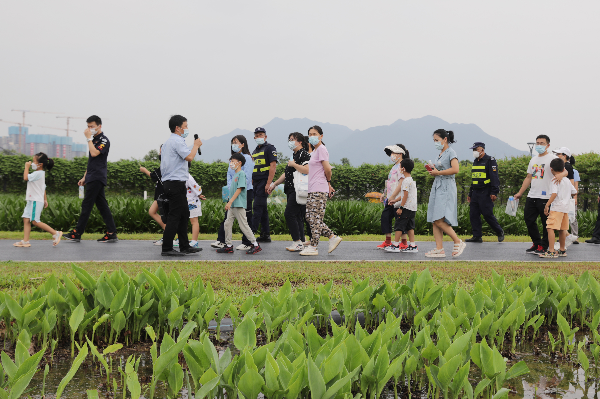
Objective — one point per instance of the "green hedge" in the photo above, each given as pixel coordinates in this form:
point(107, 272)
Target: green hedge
point(343, 217)
point(350, 182)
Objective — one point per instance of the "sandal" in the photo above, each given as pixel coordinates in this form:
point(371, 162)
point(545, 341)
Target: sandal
point(436, 253)
point(22, 244)
point(459, 248)
point(56, 238)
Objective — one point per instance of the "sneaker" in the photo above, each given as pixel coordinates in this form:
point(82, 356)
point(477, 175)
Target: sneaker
point(254, 250)
point(56, 238)
point(264, 239)
point(501, 236)
point(562, 253)
point(548, 254)
point(474, 239)
point(158, 242)
point(243, 247)
point(402, 246)
point(295, 247)
point(72, 236)
point(176, 243)
point(190, 250)
point(194, 244)
point(540, 250)
point(392, 248)
point(112, 238)
point(172, 253)
point(532, 249)
point(411, 249)
point(384, 245)
point(22, 244)
point(309, 251)
point(333, 243)
point(225, 250)
point(217, 244)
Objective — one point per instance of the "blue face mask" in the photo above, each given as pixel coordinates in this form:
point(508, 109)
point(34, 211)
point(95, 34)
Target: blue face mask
point(292, 145)
point(314, 140)
point(235, 148)
point(540, 149)
point(185, 133)
point(439, 145)
point(259, 141)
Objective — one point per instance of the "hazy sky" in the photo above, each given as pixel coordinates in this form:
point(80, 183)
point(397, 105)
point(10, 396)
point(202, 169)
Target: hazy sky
point(515, 68)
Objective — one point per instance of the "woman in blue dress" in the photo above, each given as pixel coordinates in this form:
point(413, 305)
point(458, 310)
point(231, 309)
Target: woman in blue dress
point(442, 209)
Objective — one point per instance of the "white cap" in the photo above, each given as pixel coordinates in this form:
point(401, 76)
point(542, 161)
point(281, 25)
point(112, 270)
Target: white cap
point(563, 150)
point(393, 149)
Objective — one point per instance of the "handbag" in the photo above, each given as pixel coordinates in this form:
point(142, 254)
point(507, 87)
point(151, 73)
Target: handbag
point(301, 187)
point(572, 211)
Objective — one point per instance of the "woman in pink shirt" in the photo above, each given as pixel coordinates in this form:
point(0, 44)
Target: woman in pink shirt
point(319, 191)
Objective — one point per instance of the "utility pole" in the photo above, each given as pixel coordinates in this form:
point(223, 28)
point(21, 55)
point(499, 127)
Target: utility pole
point(24, 111)
point(68, 119)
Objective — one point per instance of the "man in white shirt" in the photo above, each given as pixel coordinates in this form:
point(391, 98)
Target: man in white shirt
point(539, 177)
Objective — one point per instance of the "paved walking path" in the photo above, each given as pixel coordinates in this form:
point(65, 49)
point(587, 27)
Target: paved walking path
point(131, 250)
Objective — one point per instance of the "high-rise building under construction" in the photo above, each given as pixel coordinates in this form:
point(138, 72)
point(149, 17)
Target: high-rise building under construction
point(54, 146)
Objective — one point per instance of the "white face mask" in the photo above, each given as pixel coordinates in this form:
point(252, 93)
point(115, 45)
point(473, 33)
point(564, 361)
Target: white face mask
point(232, 165)
point(34, 166)
point(476, 154)
point(395, 158)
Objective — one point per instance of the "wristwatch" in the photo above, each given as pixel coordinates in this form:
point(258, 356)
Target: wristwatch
point(88, 140)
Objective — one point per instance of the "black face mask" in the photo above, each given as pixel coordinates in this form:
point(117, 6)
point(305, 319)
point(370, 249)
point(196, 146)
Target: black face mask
point(159, 157)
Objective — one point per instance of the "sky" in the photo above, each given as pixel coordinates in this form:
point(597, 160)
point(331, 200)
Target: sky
point(516, 69)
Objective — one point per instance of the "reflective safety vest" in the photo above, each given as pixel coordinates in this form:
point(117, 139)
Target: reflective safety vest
point(260, 162)
point(479, 175)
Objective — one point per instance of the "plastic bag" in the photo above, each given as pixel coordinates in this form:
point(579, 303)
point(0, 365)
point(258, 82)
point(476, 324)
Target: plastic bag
point(301, 187)
point(225, 194)
point(511, 206)
point(572, 211)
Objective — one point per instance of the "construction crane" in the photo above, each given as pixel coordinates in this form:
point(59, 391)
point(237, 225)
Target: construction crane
point(20, 127)
point(57, 128)
point(24, 111)
point(68, 119)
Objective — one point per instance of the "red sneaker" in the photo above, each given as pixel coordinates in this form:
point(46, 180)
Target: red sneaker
point(384, 245)
point(402, 246)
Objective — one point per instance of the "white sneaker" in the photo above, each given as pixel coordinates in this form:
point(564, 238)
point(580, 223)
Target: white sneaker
point(176, 243)
point(159, 242)
point(392, 248)
point(309, 251)
point(333, 243)
point(217, 244)
point(295, 247)
point(243, 247)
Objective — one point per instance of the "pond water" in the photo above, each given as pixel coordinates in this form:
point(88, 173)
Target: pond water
point(550, 376)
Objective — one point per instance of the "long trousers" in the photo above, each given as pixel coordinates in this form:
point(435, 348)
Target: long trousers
point(261, 214)
point(482, 204)
point(596, 232)
point(245, 241)
point(295, 214)
point(534, 208)
point(315, 212)
point(240, 215)
point(94, 194)
point(178, 217)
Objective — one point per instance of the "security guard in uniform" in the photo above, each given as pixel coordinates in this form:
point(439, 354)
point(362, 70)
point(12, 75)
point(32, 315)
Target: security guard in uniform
point(484, 191)
point(265, 163)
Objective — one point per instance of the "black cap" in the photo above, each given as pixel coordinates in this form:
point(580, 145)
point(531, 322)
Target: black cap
point(477, 144)
point(260, 130)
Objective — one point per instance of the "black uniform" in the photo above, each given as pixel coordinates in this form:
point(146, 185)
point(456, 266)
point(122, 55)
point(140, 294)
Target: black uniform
point(485, 183)
point(263, 155)
point(95, 181)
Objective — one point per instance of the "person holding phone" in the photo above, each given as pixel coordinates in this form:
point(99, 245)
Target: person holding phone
point(319, 191)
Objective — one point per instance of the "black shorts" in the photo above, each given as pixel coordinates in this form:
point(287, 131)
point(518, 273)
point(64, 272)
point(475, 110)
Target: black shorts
point(406, 221)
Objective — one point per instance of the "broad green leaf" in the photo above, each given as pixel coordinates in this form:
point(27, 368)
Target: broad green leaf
point(250, 384)
point(448, 371)
point(112, 349)
point(74, 367)
point(206, 388)
point(245, 335)
point(315, 380)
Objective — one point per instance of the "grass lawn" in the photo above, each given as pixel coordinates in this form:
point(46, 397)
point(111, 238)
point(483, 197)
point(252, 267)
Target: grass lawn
point(237, 280)
point(37, 235)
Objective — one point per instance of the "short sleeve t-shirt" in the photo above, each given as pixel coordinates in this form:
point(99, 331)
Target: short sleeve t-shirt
point(563, 191)
point(541, 176)
point(97, 166)
point(301, 157)
point(36, 185)
point(317, 181)
point(394, 177)
point(576, 177)
point(193, 191)
point(239, 181)
point(410, 187)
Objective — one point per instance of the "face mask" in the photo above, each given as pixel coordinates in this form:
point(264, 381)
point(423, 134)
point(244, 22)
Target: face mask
point(292, 145)
point(259, 141)
point(475, 154)
point(185, 133)
point(395, 158)
point(439, 145)
point(314, 140)
point(540, 149)
point(235, 148)
point(34, 166)
point(232, 166)
point(93, 131)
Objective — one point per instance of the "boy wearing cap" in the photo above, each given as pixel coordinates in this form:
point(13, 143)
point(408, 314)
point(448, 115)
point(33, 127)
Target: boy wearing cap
point(265, 163)
point(484, 190)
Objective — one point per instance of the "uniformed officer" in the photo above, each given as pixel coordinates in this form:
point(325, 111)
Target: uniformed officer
point(265, 163)
point(484, 191)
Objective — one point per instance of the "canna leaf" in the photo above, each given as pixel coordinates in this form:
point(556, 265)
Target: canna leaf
point(74, 367)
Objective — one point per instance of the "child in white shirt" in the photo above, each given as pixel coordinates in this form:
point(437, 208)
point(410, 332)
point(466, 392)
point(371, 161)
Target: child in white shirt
point(36, 199)
point(557, 210)
point(194, 196)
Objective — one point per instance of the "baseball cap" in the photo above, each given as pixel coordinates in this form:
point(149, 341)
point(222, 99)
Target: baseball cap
point(477, 144)
point(393, 149)
point(563, 150)
point(260, 130)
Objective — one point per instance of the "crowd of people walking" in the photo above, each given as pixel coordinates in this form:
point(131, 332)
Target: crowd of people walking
point(551, 179)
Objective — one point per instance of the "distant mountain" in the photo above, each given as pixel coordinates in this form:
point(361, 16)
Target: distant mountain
point(366, 146)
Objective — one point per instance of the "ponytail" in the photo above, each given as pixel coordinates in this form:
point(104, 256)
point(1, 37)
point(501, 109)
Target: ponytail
point(445, 134)
point(406, 153)
point(572, 160)
point(48, 163)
